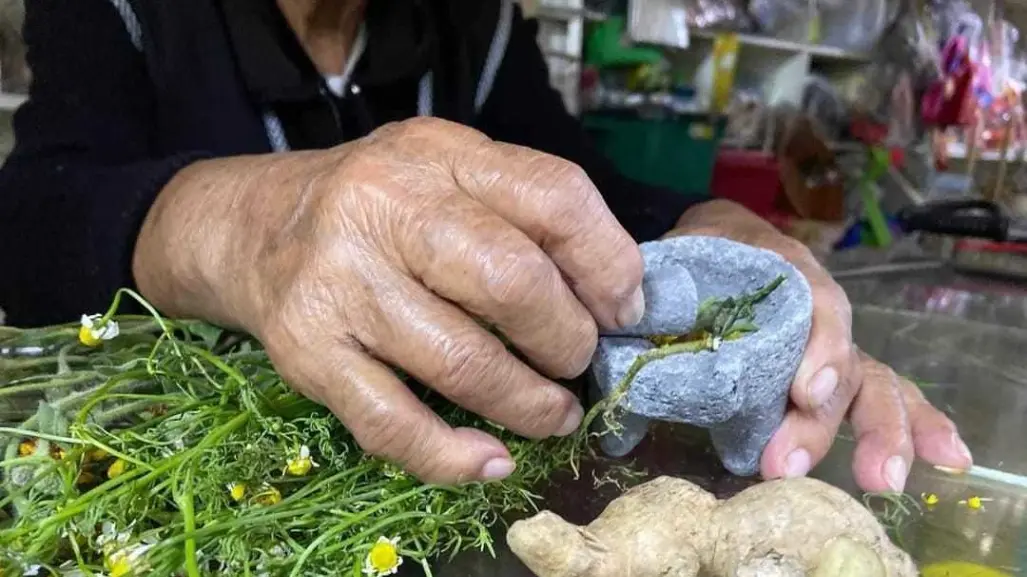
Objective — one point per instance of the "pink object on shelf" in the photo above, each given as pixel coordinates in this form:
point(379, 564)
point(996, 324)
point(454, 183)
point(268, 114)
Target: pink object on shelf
point(750, 178)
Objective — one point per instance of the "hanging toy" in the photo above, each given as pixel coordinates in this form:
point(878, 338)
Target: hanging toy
point(949, 101)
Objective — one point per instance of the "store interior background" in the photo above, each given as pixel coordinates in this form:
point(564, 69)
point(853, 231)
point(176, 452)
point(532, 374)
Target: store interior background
point(964, 337)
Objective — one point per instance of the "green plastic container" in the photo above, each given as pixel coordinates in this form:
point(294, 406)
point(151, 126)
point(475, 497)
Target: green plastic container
point(676, 153)
point(606, 47)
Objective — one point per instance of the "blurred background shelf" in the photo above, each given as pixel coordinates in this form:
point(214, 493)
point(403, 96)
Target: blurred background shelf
point(788, 46)
point(776, 66)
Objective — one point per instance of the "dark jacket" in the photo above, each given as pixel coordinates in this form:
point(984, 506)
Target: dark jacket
point(127, 92)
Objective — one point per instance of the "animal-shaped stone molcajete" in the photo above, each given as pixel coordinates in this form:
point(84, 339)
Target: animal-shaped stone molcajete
point(735, 385)
point(672, 528)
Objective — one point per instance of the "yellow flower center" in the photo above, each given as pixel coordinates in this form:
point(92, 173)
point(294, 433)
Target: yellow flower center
point(119, 564)
point(268, 496)
point(237, 491)
point(117, 469)
point(300, 466)
point(383, 557)
point(27, 448)
point(87, 338)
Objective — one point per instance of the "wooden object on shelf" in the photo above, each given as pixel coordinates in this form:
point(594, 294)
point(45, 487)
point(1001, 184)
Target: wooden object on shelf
point(810, 174)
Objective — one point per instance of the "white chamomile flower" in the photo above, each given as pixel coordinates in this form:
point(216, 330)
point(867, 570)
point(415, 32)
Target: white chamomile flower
point(110, 538)
point(301, 464)
point(94, 330)
point(128, 561)
point(393, 472)
point(383, 559)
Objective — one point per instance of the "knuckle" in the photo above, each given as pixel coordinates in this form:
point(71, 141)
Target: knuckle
point(465, 366)
point(575, 187)
point(426, 127)
point(381, 432)
point(795, 250)
point(519, 276)
point(569, 197)
point(547, 413)
point(576, 354)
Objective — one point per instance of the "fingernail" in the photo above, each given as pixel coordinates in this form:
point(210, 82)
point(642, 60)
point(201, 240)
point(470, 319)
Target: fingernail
point(497, 469)
point(961, 447)
point(822, 387)
point(798, 464)
point(570, 426)
point(895, 472)
point(631, 313)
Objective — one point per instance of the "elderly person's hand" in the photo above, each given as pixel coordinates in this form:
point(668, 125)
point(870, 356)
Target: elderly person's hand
point(387, 251)
point(892, 421)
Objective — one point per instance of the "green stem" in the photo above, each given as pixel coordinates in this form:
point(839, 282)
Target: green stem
point(99, 395)
point(243, 523)
point(316, 543)
point(234, 374)
point(29, 434)
point(192, 569)
point(91, 440)
point(119, 486)
point(613, 400)
point(56, 383)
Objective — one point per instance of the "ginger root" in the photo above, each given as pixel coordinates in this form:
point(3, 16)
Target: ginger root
point(672, 528)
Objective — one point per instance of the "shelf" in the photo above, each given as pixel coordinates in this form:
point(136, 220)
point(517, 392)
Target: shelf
point(957, 151)
point(11, 101)
point(561, 55)
point(788, 46)
point(566, 13)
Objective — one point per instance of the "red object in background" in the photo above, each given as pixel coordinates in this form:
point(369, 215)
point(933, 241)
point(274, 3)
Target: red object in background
point(750, 178)
point(872, 133)
point(898, 157)
point(949, 101)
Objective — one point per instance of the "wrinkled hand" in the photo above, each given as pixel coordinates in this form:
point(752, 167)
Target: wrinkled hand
point(384, 252)
point(892, 421)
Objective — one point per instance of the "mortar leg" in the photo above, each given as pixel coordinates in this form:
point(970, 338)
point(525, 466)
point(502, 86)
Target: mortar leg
point(741, 439)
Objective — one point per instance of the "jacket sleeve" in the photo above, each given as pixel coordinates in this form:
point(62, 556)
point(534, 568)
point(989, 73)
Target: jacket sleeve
point(523, 108)
point(81, 177)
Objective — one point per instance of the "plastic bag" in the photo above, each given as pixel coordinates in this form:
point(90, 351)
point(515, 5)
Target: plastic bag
point(853, 24)
point(661, 22)
point(821, 103)
point(770, 16)
point(955, 18)
point(747, 120)
point(718, 14)
point(907, 46)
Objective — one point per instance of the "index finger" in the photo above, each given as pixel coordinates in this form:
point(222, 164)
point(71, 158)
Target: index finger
point(829, 352)
point(558, 207)
point(388, 421)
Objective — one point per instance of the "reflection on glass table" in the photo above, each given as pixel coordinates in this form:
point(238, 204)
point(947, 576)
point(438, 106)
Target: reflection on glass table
point(965, 341)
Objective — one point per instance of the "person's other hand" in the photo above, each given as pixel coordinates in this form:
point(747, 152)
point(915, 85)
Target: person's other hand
point(892, 421)
point(386, 252)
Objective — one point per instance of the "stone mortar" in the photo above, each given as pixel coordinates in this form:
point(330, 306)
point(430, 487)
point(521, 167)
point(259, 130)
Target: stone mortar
point(739, 392)
point(671, 297)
